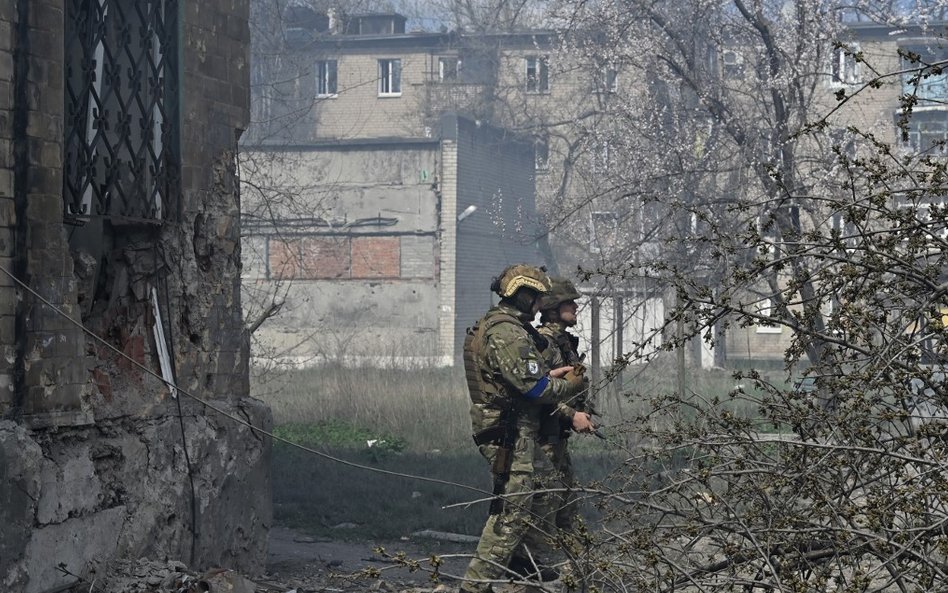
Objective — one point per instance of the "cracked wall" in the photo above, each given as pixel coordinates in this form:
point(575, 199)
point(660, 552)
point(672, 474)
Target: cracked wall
point(94, 454)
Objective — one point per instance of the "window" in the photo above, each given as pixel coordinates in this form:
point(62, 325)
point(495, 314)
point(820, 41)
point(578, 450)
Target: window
point(603, 156)
point(608, 80)
point(845, 66)
point(326, 78)
point(930, 85)
point(120, 97)
point(926, 133)
point(390, 78)
point(603, 231)
point(541, 152)
point(449, 69)
point(732, 64)
point(763, 326)
point(538, 75)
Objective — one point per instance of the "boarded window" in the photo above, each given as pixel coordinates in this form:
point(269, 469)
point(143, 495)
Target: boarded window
point(375, 257)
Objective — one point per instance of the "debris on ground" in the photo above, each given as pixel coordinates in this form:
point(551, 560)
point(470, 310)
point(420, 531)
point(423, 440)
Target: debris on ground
point(149, 576)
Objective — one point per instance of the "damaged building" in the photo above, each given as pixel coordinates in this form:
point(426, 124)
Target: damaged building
point(384, 250)
point(119, 274)
point(375, 216)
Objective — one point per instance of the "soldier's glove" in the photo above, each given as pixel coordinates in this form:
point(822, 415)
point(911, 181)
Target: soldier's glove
point(575, 383)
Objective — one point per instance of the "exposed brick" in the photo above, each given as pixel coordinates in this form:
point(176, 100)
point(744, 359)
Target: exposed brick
point(325, 258)
point(375, 257)
point(284, 259)
point(102, 382)
point(6, 65)
point(6, 183)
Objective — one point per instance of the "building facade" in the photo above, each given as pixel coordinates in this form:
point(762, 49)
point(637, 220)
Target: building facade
point(391, 83)
point(385, 250)
point(120, 274)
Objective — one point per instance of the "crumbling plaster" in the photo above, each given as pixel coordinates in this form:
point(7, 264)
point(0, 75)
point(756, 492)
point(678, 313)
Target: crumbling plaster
point(97, 460)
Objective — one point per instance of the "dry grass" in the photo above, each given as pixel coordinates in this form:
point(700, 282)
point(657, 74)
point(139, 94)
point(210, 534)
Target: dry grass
point(426, 407)
point(423, 413)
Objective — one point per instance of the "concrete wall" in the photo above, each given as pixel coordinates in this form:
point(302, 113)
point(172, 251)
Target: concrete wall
point(352, 248)
point(92, 453)
point(364, 249)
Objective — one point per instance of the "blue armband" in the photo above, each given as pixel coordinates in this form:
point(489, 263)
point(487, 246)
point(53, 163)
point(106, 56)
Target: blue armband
point(537, 390)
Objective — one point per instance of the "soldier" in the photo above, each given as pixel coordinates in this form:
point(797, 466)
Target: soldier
point(557, 314)
point(509, 382)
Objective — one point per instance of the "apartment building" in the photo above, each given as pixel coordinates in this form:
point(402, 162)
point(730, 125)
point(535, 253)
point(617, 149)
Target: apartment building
point(371, 79)
point(409, 198)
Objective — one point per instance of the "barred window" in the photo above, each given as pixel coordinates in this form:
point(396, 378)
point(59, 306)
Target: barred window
point(121, 85)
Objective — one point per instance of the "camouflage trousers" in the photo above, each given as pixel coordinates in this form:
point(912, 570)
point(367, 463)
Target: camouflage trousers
point(564, 504)
point(523, 525)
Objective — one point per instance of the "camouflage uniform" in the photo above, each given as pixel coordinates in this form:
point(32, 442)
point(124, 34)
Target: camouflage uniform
point(506, 371)
point(557, 428)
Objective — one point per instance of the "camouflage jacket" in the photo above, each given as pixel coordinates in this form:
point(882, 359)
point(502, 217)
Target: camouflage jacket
point(511, 361)
point(563, 345)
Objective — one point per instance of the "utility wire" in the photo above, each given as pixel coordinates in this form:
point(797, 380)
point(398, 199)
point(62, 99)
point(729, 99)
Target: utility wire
point(238, 420)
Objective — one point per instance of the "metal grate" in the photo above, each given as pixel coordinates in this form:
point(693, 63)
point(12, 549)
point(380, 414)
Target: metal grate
point(121, 84)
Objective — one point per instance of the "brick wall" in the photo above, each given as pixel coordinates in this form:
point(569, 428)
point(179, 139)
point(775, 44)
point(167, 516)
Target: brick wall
point(358, 111)
point(91, 446)
point(7, 213)
point(48, 390)
point(336, 258)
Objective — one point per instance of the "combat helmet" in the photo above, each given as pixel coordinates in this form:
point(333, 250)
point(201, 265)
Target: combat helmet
point(561, 291)
point(520, 276)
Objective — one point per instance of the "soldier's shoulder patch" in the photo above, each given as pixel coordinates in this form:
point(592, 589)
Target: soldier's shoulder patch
point(533, 367)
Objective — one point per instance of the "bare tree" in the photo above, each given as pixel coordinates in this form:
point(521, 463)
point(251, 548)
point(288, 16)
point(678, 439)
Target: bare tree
point(769, 203)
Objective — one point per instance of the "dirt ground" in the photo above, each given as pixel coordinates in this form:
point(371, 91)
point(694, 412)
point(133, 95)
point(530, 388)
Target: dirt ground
point(298, 563)
point(308, 564)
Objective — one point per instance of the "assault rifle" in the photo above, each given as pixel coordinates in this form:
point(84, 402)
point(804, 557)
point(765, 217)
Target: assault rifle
point(504, 435)
point(579, 369)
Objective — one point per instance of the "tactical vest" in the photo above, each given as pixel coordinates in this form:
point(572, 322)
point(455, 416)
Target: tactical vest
point(482, 386)
point(568, 344)
point(485, 389)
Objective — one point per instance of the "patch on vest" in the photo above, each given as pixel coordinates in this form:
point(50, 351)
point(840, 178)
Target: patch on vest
point(533, 367)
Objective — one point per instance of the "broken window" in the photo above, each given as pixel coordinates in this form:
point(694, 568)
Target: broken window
point(121, 88)
point(449, 69)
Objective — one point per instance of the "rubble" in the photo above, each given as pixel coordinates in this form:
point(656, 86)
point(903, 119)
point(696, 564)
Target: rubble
point(151, 576)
